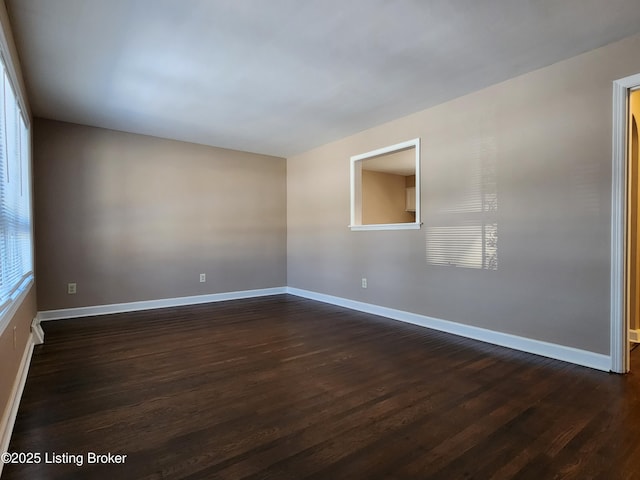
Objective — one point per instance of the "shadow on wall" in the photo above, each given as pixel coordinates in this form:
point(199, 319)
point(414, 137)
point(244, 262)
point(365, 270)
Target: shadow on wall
point(464, 231)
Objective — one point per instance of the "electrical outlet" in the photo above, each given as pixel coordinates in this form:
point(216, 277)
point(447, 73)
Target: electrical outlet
point(364, 283)
point(71, 288)
point(203, 277)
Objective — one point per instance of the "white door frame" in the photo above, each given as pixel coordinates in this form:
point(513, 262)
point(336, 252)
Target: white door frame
point(619, 320)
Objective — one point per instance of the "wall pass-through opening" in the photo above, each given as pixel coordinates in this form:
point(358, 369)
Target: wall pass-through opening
point(385, 188)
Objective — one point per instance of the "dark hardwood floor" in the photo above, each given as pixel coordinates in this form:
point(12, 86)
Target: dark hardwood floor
point(286, 388)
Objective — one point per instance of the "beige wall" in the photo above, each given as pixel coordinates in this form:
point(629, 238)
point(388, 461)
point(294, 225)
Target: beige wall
point(130, 217)
point(20, 324)
point(634, 213)
point(410, 181)
point(11, 354)
point(384, 198)
point(541, 144)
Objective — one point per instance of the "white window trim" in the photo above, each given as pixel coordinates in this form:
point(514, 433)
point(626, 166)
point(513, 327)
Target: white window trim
point(17, 297)
point(356, 188)
point(15, 301)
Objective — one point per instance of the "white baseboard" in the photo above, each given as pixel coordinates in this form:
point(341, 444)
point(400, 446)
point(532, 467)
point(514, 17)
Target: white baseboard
point(560, 352)
point(36, 330)
point(11, 410)
point(634, 336)
point(152, 304)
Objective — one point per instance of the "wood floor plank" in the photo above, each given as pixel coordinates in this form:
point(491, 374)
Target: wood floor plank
point(282, 387)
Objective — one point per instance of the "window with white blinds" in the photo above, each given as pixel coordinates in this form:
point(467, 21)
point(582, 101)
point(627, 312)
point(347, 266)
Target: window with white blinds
point(15, 210)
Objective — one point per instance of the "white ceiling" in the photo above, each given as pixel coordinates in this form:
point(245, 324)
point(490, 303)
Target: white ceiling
point(282, 76)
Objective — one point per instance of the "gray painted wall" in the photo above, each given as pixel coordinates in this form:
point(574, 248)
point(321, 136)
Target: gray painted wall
point(528, 160)
point(130, 217)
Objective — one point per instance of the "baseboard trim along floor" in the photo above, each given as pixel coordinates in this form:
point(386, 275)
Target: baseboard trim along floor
point(151, 304)
point(11, 411)
point(559, 352)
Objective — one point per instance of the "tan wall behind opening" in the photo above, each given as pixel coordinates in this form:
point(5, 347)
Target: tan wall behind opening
point(384, 198)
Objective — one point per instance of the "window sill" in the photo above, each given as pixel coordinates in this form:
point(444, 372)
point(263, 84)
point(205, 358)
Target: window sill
point(386, 226)
point(14, 302)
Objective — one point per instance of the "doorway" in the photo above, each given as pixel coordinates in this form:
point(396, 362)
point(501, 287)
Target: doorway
point(625, 226)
